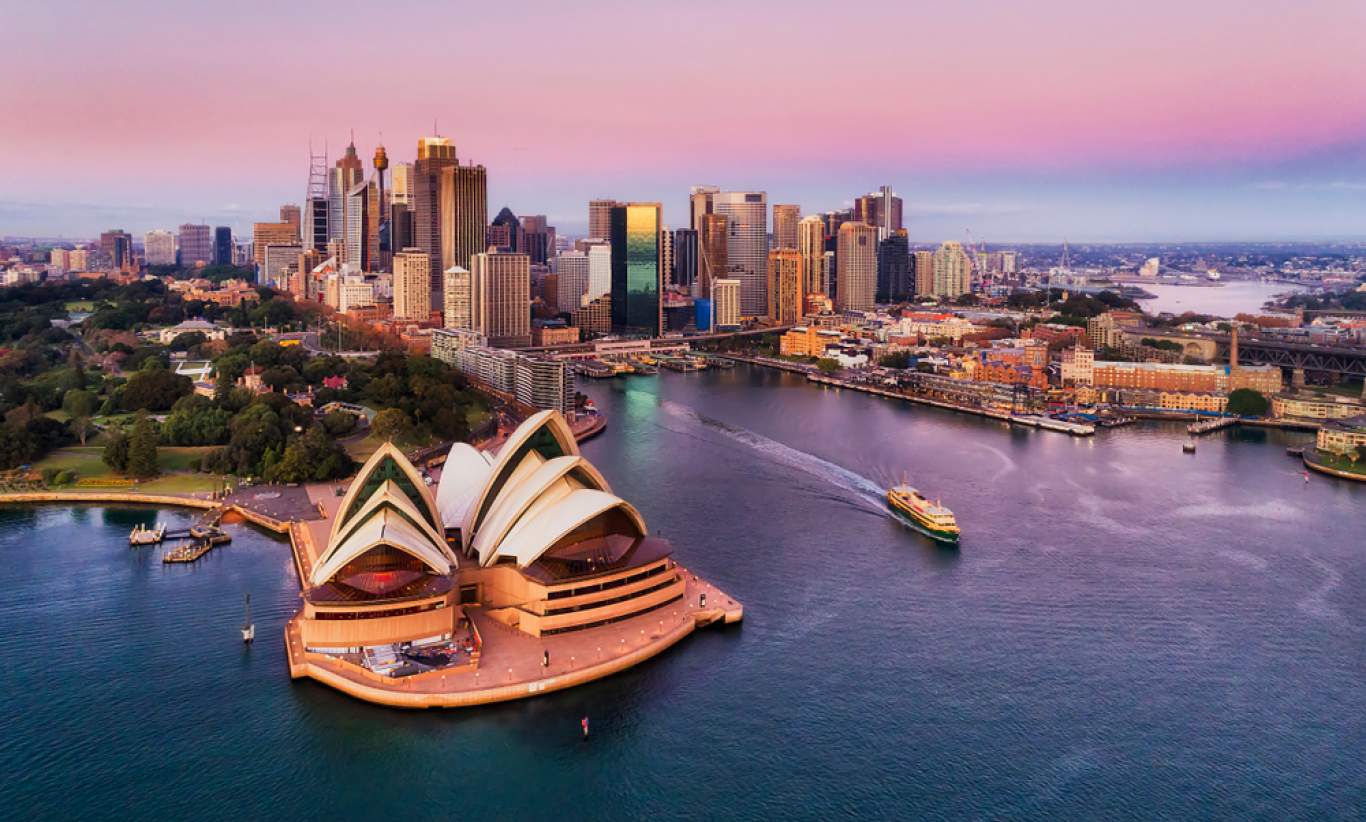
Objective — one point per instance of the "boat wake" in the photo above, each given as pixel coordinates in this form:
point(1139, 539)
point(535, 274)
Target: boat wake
point(836, 475)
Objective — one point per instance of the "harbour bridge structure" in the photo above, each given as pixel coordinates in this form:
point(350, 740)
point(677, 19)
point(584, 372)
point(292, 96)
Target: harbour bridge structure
point(1345, 361)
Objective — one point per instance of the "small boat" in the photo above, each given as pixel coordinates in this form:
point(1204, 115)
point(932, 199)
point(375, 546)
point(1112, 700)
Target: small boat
point(248, 628)
point(931, 518)
point(1188, 447)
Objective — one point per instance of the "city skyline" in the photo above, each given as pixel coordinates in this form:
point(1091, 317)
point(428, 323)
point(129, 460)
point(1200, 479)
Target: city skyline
point(1213, 123)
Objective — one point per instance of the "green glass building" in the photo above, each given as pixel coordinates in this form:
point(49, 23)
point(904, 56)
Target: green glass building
point(637, 270)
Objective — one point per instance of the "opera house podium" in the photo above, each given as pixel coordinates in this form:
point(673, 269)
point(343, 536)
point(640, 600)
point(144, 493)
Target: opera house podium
point(523, 573)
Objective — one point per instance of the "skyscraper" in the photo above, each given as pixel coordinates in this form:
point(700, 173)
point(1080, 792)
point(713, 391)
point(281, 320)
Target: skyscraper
point(502, 298)
point(458, 295)
point(341, 179)
point(746, 246)
point(712, 256)
point(785, 219)
point(856, 263)
point(362, 226)
point(290, 213)
point(278, 262)
point(222, 245)
point(600, 218)
point(811, 244)
point(536, 239)
point(881, 209)
point(571, 269)
point(786, 284)
point(894, 281)
point(600, 270)
point(433, 155)
point(637, 269)
point(464, 206)
point(158, 247)
point(685, 257)
point(952, 270)
point(412, 285)
point(264, 235)
point(666, 256)
point(700, 204)
point(196, 245)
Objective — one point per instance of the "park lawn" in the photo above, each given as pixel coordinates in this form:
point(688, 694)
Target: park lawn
point(361, 449)
point(477, 416)
point(1342, 463)
point(174, 462)
point(1346, 389)
point(80, 305)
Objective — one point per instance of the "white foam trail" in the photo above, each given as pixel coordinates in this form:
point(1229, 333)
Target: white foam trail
point(1008, 464)
point(777, 452)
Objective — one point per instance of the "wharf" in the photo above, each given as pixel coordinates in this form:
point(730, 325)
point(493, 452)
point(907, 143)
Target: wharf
point(1207, 426)
point(821, 379)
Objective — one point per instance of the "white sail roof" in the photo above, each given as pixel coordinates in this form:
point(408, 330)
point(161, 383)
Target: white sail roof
point(550, 481)
point(546, 522)
point(464, 475)
point(385, 526)
point(542, 437)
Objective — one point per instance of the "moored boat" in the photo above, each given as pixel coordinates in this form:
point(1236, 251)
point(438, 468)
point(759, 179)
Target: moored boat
point(931, 518)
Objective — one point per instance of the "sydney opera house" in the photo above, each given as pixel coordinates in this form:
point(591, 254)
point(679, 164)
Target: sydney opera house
point(522, 573)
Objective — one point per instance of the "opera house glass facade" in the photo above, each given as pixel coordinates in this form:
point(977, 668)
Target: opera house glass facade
point(636, 264)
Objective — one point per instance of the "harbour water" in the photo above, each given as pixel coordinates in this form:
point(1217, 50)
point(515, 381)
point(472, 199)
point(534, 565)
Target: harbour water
point(1228, 299)
point(1126, 632)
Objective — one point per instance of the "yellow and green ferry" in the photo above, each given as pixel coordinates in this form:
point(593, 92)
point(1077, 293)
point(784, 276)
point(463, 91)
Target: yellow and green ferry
point(930, 518)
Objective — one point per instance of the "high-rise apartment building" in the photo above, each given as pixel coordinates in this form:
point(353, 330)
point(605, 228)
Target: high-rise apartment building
point(196, 245)
point(685, 257)
point(222, 245)
point(264, 235)
point(1010, 262)
point(412, 285)
point(158, 247)
point(923, 265)
point(637, 269)
point(894, 282)
point(786, 286)
point(712, 256)
point(600, 218)
point(746, 246)
point(785, 220)
point(502, 298)
point(458, 294)
point(725, 297)
point(952, 270)
point(571, 270)
point(811, 244)
point(856, 264)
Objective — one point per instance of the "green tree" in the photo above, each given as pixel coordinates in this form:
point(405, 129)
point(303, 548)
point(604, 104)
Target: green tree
point(392, 424)
point(154, 390)
point(142, 450)
point(79, 403)
point(311, 458)
point(827, 365)
point(1245, 402)
point(896, 359)
point(116, 451)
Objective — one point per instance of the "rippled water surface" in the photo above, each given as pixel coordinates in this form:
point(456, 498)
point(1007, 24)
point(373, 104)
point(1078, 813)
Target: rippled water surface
point(1127, 632)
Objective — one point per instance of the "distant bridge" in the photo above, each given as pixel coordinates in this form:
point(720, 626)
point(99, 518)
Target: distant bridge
point(1346, 361)
point(588, 348)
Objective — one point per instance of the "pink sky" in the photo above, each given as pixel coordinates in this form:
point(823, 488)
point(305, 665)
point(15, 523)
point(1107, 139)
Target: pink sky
point(159, 106)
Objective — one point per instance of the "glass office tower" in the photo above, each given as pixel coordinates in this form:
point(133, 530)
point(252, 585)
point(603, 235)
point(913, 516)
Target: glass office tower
point(637, 274)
